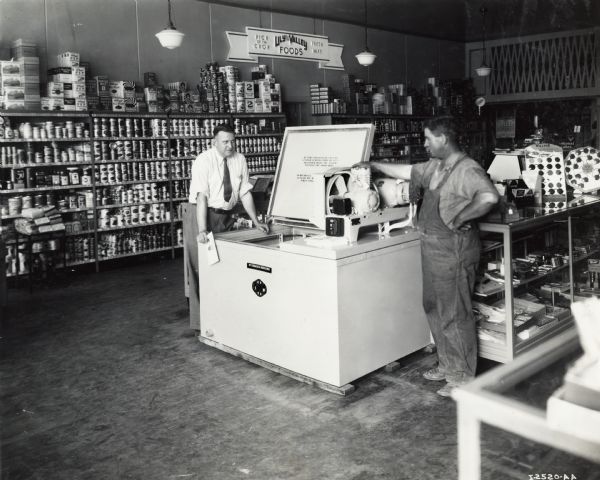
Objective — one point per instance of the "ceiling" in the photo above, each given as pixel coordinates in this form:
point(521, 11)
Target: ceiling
point(459, 20)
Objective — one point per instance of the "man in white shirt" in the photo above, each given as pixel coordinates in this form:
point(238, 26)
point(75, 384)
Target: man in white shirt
point(219, 180)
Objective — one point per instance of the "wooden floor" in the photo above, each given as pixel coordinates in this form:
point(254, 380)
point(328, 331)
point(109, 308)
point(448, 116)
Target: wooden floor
point(102, 379)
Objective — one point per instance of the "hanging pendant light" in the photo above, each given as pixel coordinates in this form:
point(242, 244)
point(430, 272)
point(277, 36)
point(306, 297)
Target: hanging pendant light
point(366, 57)
point(484, 69)
point(170, 37)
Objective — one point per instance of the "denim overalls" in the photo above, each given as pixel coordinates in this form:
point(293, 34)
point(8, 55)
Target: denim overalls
point(449, 262)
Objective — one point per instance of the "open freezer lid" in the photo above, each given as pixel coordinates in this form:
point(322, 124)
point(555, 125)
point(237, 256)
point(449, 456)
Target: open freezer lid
point(307, 154)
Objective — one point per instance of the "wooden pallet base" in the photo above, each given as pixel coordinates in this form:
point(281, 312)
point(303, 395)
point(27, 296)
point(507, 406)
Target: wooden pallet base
point(343, 390)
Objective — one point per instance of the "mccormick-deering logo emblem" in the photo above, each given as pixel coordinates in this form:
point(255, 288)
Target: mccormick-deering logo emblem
point(296, 45)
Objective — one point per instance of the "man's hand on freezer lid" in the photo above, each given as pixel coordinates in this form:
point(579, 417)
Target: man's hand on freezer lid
point(202, 237)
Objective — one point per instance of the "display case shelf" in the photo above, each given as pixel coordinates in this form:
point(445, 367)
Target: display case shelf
point(534, 225)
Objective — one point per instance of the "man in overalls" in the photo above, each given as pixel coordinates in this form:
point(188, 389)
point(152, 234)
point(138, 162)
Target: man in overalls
point(456, 191)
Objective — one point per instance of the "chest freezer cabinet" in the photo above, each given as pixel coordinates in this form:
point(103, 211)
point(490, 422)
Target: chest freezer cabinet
point(324, 309)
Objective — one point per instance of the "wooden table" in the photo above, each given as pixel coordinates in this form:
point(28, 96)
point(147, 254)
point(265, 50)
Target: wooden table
point(482, 401)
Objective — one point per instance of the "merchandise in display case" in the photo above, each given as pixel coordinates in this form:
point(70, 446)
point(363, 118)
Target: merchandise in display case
point(547, 253)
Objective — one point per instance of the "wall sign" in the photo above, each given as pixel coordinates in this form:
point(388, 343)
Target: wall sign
point(262, 42)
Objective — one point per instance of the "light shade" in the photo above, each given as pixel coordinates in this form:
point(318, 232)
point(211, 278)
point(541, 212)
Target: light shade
point(170, 38)
point(483, 71)
point(366, 58)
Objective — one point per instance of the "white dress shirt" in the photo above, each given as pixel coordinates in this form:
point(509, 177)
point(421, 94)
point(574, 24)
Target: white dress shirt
point(207, 178)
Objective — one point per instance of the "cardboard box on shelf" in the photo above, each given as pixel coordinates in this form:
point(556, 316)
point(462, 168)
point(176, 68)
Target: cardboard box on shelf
point(60, 74)
point(74, 90)
point(93, 102)
point(118, 104)
point(14, 105)
point(69, 104)
point(10, 68)
point(68, 59)
point(9, 81)
point(99, 86)
point(81, 104)
point(55, 89)
point(129, 89)
point(48, 103)
point(78, 74)
point(116, 89)
point(13, 93)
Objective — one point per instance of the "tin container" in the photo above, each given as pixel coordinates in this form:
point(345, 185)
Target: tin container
point(15, 205)
point(27, 201)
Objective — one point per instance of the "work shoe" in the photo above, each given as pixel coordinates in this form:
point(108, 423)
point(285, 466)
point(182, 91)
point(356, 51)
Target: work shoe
point(446, 390)
point(434, 375)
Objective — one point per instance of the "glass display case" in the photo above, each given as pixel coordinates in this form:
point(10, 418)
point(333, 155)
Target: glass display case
point(550, 254)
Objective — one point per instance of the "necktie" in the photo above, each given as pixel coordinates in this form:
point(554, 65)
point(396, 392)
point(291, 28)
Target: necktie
point(226, 182)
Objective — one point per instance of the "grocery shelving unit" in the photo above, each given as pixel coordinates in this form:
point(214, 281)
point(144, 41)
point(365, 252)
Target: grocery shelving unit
point(537, 233)
point(130, 173)
point(398, 138)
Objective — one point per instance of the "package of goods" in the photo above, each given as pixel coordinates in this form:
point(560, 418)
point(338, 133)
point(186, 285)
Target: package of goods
point(93, 102)
point(25, 226)
point(48, 103)
point(78, 74)
point(276, 107)
point(74, 90)
point(249, 105)
point(55, 89)
point(60, 74)
point(106, 103)
point(131, 105)
point(116, 89)
point(248, 90)
point(7, 81)
point(10, 69)
point(68, 59)
point(150, 94)
point(232, 74)
point(69, 104)
point(101, 87)
point(118, 104)
point(259, 106)
point(23, 48)
point(264, 89)
point(129, 89)
point(14, 97)
point(150, 79)
point(81, 104)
